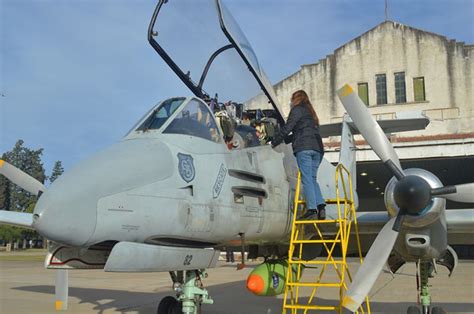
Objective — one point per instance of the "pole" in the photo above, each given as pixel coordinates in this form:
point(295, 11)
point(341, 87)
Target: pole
point(61, 289)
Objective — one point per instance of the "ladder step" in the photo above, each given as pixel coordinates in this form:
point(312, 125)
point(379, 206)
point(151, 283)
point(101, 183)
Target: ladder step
point(311, 307)
point(341, 201)
point(326, 221)
point(313, 284)
point(316, 262)
point(316, 241)
point(329, 201)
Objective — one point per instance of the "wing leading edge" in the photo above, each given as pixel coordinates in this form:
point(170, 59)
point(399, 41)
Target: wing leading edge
point(24, 220)
point(460, 223)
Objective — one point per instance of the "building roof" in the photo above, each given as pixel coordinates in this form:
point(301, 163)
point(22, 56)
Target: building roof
point(387, 24)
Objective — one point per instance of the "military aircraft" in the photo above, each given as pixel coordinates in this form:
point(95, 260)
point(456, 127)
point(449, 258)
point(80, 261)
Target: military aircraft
point(172, 192)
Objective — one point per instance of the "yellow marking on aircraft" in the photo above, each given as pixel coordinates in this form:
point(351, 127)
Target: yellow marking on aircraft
point(1, 163)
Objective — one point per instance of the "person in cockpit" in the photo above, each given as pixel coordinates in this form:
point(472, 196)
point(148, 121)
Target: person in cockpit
point(246, 119)
point(308, 148)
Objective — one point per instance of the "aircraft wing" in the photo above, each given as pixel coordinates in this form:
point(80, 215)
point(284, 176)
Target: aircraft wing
point(371, 222)
point(460, 224)
point(400, 124)
point(18, 219)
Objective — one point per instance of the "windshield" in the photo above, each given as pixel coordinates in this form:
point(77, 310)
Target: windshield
point(161, 114)
point(196, 120)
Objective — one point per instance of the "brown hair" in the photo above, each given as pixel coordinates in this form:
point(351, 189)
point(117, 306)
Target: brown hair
point(300, 97)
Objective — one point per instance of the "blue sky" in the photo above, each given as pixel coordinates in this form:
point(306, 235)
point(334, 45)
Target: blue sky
point(77, 74)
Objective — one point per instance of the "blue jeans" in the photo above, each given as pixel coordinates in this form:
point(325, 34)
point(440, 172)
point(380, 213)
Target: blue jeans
point(308, 162)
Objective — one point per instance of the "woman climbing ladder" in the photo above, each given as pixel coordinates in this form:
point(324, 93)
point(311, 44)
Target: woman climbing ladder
point(308, 148)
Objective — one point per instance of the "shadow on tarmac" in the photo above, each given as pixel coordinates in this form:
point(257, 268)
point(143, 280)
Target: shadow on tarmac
point(229, 298)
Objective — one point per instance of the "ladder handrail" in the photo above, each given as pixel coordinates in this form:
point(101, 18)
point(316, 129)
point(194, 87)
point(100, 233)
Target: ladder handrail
point(346, 216)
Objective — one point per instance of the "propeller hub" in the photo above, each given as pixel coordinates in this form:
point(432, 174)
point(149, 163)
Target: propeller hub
point(412, 194)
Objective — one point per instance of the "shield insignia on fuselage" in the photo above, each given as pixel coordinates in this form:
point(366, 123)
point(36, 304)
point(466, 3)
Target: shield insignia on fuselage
point(186, 167)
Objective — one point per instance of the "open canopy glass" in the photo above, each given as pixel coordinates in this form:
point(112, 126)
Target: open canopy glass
point(205, 47)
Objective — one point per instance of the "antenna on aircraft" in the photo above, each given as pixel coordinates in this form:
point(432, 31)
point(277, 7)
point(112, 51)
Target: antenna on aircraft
point(386, 10)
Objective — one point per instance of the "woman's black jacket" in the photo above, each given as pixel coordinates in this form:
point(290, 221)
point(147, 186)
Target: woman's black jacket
point(305, 133)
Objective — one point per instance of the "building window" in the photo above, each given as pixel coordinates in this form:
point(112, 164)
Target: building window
point(363, 90)
point(400, 91)
point(419, 88)
point(381, 86)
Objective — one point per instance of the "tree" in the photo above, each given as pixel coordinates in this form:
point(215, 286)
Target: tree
point(14, 198)
point(57, 171)
point(29, 161)
point(3, 192)
point(10, 233)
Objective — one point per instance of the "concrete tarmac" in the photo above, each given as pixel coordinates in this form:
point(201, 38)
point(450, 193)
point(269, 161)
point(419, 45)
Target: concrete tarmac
point(26, 287)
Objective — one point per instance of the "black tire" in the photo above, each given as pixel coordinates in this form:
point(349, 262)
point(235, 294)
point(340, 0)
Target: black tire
point(413, 309)
point(169, 305)
point(437, 310)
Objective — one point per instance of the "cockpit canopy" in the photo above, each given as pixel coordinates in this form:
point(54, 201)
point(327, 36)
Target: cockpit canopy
point(189, 117)
point(204, 45)
point(161, 114)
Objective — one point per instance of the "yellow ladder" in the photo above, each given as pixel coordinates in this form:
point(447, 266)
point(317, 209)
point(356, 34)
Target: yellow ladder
point(338, 237)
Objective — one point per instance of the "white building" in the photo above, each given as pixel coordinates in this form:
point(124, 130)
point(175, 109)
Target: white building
point(397, 69)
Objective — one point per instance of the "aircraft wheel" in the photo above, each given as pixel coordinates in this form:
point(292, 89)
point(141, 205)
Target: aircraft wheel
point(413, 309)
point(437, 310)
point(169, 305)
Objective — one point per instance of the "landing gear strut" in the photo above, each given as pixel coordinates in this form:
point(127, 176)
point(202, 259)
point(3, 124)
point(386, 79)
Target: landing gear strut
point(425, 297)
point(424, 270)
point(190, 293)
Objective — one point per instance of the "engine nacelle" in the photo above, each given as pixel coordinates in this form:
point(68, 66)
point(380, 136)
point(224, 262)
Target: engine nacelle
point(429, 214)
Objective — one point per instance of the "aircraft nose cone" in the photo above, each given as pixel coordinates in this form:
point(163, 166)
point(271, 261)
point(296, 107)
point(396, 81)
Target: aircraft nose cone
point(54, 220)
point(68, 211)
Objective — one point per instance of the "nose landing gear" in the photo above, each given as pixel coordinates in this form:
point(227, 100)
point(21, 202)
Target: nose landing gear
point(190, 293)
point(169, 305)
point(424, 270)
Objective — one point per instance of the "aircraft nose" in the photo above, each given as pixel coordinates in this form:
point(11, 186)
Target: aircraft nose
point(67, 211)
point(60, 215)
